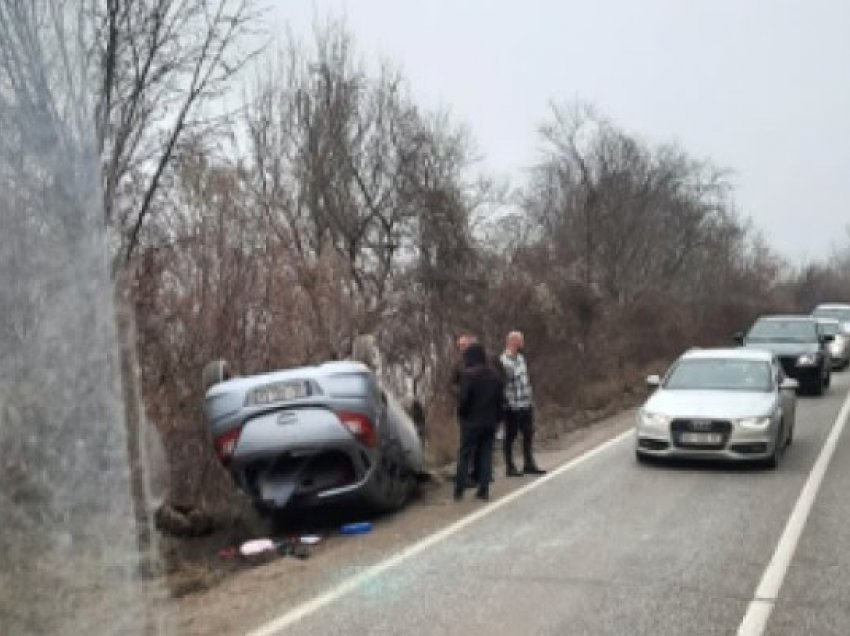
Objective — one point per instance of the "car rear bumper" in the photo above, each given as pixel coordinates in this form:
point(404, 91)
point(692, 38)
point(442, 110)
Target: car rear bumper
point(803, 374)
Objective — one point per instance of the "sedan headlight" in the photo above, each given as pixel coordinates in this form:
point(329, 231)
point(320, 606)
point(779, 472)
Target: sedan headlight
point(757, 423)
point(807, 360)
point(657, 421)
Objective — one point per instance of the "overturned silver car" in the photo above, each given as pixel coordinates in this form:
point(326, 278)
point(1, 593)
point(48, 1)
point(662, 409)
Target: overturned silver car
point(315, 435)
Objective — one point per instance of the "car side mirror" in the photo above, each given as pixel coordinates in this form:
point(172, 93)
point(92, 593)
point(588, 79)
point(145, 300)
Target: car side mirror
point(653, 381)
point(789, 384)
point(739, 338)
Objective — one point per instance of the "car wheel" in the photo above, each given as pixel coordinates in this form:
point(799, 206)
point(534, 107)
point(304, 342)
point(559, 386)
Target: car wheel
point(772, 462)
point(828, 379)
point(816, 386)
point(641, 458)
point(398, 485)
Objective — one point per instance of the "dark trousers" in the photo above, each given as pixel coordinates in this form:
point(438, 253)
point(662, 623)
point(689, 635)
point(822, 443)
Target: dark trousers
point(476, 447)
point(519, 421)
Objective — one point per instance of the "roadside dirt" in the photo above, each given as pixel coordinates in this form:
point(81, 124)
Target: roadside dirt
point(252, 595)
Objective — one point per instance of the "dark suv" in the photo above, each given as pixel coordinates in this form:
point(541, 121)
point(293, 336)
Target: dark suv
point(800, 344)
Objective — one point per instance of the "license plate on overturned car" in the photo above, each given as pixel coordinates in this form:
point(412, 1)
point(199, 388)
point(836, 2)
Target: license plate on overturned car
point(701, 439)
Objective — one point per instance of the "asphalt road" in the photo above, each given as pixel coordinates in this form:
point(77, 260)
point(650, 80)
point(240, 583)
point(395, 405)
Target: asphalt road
point(613, 547)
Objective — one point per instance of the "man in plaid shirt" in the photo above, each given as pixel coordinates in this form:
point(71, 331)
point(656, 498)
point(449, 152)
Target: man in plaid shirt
point(519, 406)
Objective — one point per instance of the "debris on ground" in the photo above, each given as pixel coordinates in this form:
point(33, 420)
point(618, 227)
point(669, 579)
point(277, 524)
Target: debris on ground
point(183, 521)
point(361, 527)
point(259, 551)
point(228, 553)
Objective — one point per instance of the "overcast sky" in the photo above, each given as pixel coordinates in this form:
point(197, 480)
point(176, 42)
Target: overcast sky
point(758, 86)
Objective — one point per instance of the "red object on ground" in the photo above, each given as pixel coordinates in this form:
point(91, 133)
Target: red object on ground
point(228, 553)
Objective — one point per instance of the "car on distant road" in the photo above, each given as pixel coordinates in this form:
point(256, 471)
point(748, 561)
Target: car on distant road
point(731, 404)
point(839, 348)
point(314, 436)
point(839, 311)
point(799, 343)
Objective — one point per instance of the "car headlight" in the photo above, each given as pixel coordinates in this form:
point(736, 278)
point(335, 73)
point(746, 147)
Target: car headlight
point(277, 392)
point(754, 422)
point(657, 421)
point(807, 360)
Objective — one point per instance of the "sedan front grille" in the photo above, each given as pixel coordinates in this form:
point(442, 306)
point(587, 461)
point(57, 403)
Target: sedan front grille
point(682, 429)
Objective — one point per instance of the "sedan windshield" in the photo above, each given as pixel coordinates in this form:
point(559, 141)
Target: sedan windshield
point(720, 375)
point(783, 331)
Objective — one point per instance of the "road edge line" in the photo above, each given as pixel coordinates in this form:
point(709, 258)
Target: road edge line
point(764, 600)
point(306, 608)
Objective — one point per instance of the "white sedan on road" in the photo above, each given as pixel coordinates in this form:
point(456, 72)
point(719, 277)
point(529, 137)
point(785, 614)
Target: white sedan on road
point(733, 404)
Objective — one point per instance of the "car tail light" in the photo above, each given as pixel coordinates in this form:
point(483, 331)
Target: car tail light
point(360, 426)
point(226, 444)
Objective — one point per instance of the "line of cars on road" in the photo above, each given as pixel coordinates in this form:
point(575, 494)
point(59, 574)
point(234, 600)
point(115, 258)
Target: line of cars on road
point(740, 403)
point(331, 433)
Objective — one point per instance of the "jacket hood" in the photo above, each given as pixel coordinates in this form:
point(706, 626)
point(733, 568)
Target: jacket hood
point(474, 356)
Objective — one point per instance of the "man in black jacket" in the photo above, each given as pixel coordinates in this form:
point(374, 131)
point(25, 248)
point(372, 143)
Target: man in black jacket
point(480, 409)
point(465, 339)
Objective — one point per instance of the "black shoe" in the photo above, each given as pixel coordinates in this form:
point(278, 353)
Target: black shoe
point(533, 470)
point(483, 495)
point(513, 472)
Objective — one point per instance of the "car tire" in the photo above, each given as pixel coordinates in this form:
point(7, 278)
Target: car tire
point(772, 462)
point(403, 490)
point(641, 458)
point(828, 381)
point(396, 485)
point(816, 386)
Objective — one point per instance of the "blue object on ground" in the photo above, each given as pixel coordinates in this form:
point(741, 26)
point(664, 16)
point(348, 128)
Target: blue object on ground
point(356, 528)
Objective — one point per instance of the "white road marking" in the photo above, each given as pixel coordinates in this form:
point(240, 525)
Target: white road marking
point(303, 610)
point(764, 599)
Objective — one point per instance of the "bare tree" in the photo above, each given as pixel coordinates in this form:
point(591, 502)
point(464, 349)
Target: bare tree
point(156, 66)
